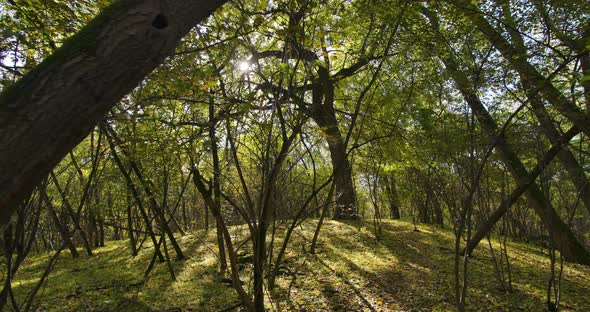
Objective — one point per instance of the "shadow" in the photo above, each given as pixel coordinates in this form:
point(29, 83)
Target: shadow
point(111, 279)
point(339, 302)
point(409, 270)
point(403, 271)
point(426, 267)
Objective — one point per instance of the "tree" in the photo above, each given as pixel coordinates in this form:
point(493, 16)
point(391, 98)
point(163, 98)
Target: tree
point(71, 91)
point(564, 238)
point(271, 113)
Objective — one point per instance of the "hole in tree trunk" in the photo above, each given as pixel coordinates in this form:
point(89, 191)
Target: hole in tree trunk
point(160, 22)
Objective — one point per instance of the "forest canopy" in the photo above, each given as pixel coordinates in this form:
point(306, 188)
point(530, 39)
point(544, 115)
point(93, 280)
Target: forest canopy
point(258, 121)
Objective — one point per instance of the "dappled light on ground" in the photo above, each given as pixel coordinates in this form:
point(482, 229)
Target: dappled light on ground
point(405, 270)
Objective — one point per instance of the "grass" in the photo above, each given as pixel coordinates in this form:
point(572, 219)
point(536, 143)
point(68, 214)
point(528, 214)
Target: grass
point(352, 271)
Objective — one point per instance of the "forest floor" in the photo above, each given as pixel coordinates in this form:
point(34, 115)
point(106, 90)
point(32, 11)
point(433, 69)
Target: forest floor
point(405, 270)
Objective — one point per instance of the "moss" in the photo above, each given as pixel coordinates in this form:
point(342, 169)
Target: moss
point(404, 270)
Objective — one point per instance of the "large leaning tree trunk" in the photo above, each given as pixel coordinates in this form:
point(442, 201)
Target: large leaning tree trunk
point(527, 71)
point(52, 108)
point(575, 171)
point(565, 240)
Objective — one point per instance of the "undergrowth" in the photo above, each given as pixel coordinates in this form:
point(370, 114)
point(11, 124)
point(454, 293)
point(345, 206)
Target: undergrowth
point(405, 270)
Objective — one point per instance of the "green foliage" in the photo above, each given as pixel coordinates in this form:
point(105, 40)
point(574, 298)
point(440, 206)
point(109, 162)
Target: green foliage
point(413, 138)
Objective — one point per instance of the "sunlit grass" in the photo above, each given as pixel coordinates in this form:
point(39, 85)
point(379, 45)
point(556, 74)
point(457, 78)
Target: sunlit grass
point(352, 271)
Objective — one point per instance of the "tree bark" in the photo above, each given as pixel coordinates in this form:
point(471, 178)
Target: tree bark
point(233, 260)
point(565, 240)
point(130, 230)
point(62, 228)
point(216, 184)
point(345, 196)
point(391, 191)
point(575, 171)
point(135, 192)
point(53, 107)
point(73, 215)
point(324, 114)
point(528, 73)
point(487, 226)
point(157, 209)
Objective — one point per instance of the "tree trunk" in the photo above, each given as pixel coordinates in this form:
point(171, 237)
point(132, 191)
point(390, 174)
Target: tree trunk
point(585, 60)
point(565, 240)
point(423, 208)
point(56, 105)
point(391, 191)
point(134, 191)
point(528, 73)
point(62, 228)
point(522, 186)
point(233, 261)
point(130, 233)
point(73, 215)
point(92, 229)
point(325, 117)
point(216, 185)
point(438, 212)
point(345, 196)
point(101, 233)
point(575, 171)
point(157, 209)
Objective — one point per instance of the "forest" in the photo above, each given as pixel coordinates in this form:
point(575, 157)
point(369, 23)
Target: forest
point(294, 155)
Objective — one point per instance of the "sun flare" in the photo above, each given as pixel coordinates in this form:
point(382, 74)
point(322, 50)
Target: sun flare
point(244, 66)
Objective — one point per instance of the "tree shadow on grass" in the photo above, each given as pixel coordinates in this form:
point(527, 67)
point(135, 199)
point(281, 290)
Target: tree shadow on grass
point(436, 254)
point(343, 303)
point(111, 278)
point(75, 282)
point(420, 274)
point(405, 270)
point(198, 285)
